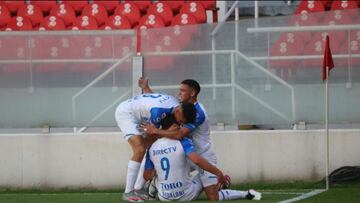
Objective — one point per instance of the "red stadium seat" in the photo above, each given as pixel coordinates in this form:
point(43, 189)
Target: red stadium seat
point(65, 12)
point(283, 48)
point(98, 11)
point(110, 6)
point(355, 35)
point(208, 5)
point(151, 21)
point(19, 23)
point(184, 19)
point(13, 5)
point(117, 22)
point(142, 5)
point(5, 15)
point(78, 6)
point(304, 19)
point(129, 10)
point(338, 17)
point(174, 5)
point(182, 35)
point(343, 4)
point(48, 48)
point(354, 48)
point(82, 47)
point(44, 5)
point(52, 23)
point(16, 48)
point(316, 47)
point(67, 46)
point(163, 10)
point(33, 12)
point(123, 46)
point(101, 46)
point(159, 44)
point(295, 39)
point(310, 7)
point(195, 9)
point(85, 23)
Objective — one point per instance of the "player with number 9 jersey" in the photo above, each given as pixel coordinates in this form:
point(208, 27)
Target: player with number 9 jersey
point(173, 181)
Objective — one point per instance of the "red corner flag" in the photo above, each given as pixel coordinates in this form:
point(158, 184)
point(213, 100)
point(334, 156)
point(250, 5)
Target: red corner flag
point(328, 61)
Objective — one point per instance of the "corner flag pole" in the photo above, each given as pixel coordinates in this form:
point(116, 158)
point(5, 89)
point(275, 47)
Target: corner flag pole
point(328, 64)
point(327, 126)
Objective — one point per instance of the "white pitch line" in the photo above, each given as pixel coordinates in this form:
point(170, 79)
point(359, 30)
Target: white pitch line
point(282, 193)
point(304, 196)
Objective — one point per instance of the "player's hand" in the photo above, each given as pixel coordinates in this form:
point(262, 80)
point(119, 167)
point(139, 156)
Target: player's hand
point(221, 180)
point(174, 127)
point(148, 128)
point(143, 83)
point(149, 174)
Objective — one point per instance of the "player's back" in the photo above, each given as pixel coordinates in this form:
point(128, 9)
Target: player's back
point(201, 134)
point(172, 168)
point(153, 106)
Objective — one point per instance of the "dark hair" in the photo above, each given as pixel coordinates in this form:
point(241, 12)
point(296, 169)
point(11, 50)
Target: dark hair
point(167, 122)
point(193, 84)
point(189, 112)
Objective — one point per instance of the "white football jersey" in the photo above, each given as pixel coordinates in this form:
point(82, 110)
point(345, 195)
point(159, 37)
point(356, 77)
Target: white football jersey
point(200, 130)
point(168, 158)
point(152, 107)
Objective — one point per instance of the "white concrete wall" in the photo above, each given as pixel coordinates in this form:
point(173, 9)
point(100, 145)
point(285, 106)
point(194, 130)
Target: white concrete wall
point(99, 160)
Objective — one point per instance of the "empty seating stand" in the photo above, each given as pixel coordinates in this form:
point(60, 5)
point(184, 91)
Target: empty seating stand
point(62, 15)
point(70, 11)
point(311, 13)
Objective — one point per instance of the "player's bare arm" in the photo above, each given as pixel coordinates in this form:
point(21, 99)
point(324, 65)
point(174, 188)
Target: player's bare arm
point(172, 133)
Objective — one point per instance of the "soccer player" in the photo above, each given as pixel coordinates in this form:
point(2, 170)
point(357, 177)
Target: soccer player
point(199, 132)
point(173, 181)
point(150, 108)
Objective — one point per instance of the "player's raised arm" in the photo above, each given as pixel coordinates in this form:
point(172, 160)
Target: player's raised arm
point(144, 85)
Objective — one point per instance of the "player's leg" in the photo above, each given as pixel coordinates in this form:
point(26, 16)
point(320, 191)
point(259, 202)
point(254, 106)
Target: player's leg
point(128, 126)
point(209, 180)
point(138, 148)
point(238, 194)
point(193, 191)
point(140, 181)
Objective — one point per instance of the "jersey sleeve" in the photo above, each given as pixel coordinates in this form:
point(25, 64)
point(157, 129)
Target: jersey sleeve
point(157, 114)
point(148, 163)
point(187, 145)
point(200, 118)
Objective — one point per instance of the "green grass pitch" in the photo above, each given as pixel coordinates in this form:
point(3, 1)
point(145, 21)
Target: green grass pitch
point(271, 193)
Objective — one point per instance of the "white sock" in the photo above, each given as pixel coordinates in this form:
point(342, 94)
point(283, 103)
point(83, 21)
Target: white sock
point(231, 194)
point(140, 181)
point(132, 172)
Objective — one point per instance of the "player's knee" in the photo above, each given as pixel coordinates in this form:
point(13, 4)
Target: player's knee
point(212, 197)
point(212, 193)
point(140, 151)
